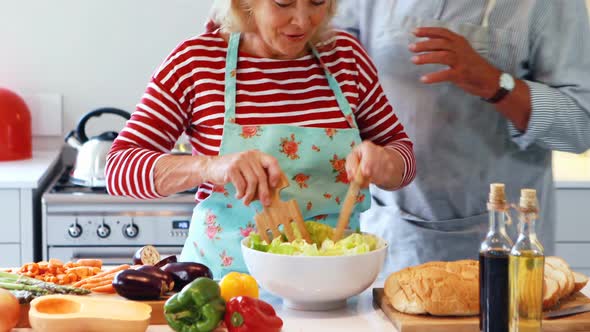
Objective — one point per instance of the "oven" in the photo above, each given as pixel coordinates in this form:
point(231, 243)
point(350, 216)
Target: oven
point(84, 222)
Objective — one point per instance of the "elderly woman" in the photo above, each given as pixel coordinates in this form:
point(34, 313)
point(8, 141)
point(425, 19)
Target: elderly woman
point(274, 91)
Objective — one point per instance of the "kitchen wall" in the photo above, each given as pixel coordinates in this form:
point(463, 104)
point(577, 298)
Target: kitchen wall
point(94, 53)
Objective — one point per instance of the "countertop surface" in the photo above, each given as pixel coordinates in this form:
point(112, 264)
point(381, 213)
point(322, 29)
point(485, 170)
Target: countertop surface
point(359, 315)
point(571, 171)
point(28, 173)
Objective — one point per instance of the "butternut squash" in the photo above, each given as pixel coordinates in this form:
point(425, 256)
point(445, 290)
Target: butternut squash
point(65, 313)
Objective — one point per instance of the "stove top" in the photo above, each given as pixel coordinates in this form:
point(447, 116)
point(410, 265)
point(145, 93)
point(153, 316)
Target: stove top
point(65, 185)
point(64, 191)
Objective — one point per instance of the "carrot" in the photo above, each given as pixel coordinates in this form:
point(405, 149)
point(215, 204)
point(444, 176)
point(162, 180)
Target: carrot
point(97, 284)
point(90, 262)
point(99, 280)
point(103, 274)
point(104, 289)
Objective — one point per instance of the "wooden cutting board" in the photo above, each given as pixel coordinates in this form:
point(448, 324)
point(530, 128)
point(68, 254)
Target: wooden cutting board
point(157, 317)
point(424, 323)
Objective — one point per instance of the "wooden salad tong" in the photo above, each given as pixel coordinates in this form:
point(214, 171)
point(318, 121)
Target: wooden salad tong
point(348, 205)
point(280, 213)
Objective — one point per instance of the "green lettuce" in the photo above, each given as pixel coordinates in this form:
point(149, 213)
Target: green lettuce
point(321, 245)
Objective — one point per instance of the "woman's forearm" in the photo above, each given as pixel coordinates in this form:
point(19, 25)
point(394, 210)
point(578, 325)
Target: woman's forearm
point(173, 174)
point(393, 171)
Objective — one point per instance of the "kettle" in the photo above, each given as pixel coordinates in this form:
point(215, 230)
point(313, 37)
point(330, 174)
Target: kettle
point(89, 170)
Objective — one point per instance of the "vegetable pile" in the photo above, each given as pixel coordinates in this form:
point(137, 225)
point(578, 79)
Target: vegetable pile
point(25, 288)
point(322, 245)
point(200, 307)
point(153, 277)
point(55, 271)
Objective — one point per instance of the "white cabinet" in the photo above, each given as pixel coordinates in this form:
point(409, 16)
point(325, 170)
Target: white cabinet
point(10, 215)
point(21, 185)
point(11, 256)
point(572, 231)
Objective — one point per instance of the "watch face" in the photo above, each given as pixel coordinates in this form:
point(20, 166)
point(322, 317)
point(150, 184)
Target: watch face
point(507, 82)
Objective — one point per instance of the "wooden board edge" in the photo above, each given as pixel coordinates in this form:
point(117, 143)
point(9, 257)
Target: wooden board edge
point(580, 322)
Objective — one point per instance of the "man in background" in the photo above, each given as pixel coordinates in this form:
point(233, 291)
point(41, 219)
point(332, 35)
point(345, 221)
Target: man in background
point(486, 90)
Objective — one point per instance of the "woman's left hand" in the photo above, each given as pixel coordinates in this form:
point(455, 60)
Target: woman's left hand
point(379, 165)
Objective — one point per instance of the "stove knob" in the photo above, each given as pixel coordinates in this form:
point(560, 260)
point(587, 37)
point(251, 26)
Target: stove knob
point(103, 231)
point(75, 230)
point(130, 230)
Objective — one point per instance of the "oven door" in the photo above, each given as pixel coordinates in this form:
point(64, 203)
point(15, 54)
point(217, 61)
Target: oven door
point(108, 255)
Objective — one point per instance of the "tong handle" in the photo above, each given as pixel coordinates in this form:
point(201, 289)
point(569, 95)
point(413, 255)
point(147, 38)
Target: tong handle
point(348, 205)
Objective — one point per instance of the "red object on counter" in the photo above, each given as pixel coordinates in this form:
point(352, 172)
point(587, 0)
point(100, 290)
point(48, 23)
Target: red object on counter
point(15, 127)
point(245, 314)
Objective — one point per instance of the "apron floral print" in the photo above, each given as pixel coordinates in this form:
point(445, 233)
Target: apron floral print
point(312, 158)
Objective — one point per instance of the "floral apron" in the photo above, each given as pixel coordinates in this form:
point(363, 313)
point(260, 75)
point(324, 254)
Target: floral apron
point(312, 159)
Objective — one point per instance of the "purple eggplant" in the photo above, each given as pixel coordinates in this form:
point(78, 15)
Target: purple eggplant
point(164, 261)
point(159, 273)
point(137, 285)
point(147, 255)
point(185, 272)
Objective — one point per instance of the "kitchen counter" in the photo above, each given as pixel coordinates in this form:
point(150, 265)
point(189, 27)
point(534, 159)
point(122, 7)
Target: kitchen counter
point(359, 315)
point(571, 170)
point(28, 173)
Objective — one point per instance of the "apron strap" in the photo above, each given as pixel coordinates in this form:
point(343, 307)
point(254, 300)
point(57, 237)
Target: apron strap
point(335, 86)
point(490, 5)
point(231, 70)
point(488, 10)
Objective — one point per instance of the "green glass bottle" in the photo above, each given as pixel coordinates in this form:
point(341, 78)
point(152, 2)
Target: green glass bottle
point(526, 268)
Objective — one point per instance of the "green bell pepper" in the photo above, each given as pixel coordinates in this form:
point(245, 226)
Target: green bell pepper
point(198, 307)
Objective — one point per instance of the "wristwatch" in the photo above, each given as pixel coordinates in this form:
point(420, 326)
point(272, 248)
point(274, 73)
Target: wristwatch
point(507, 84)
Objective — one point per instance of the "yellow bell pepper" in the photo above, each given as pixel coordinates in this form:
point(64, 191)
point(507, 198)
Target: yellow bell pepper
point(238, 284)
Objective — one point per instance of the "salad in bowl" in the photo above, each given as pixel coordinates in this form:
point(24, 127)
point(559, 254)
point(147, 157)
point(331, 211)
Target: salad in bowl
point(320, 275)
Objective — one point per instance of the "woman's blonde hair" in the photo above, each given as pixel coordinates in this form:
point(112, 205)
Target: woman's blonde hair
point(236, 16)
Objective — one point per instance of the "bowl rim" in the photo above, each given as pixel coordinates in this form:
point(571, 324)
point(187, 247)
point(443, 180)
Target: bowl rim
point(372, 252)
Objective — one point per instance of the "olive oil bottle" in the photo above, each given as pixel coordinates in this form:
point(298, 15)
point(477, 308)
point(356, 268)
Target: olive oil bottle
point(493, 263)
point(526, 268)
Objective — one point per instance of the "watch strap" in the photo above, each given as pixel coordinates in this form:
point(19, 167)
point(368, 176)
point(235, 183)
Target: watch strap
point(498, 96)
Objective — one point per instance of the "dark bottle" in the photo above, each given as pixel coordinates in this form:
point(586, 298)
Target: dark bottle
point(493, 265)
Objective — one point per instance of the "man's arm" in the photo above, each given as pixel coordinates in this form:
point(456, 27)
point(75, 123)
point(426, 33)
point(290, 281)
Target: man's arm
point(551, 106)
point(559, 83)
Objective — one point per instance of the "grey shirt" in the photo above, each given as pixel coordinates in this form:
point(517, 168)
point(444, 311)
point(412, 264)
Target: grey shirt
point(547, 44)
point(463, 144)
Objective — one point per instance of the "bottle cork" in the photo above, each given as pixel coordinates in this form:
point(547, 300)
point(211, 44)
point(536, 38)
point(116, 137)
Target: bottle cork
point(528, 199)
point(497, 193)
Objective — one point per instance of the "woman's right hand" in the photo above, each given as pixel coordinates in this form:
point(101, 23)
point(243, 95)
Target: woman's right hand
point(251, 172)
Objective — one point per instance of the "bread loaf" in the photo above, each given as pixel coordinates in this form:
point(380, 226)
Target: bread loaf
point(580, 281)
point(452, 288)
point(437, 288)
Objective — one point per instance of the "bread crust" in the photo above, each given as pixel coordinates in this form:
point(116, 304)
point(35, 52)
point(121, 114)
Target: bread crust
point(452, 288)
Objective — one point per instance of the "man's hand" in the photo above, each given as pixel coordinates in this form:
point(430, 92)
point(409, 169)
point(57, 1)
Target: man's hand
point(467, 69)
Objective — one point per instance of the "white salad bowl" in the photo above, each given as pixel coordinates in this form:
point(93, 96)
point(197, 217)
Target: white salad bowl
point(314, 283)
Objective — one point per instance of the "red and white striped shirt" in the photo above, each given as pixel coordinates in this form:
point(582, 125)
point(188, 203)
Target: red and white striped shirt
point(187, 94)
